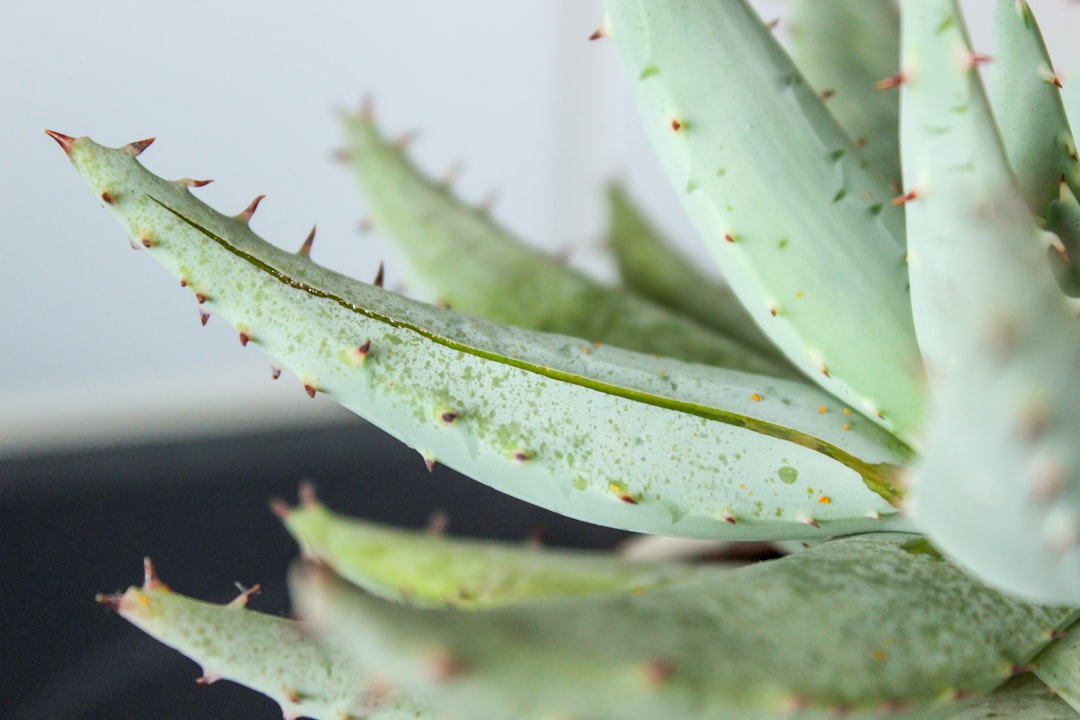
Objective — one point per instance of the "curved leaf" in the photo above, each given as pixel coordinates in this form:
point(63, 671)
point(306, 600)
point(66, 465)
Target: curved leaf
point(471, 264)
point(838, 630)
point(613, 437)
point(803, 231)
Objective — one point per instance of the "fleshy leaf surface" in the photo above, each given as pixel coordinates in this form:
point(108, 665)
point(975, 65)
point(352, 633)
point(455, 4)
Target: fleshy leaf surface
point(998, 486)
point(1059, 667)
point(1026, 101)
point(1022, 697)
point(463, 259)
point(653, 268)
point(845, 49)
point(748, 643)
point(801, 228)
point(428, 570)
point(274, 656)
point(599, 433)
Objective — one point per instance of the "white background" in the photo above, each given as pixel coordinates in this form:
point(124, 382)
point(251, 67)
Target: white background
point(99, 343)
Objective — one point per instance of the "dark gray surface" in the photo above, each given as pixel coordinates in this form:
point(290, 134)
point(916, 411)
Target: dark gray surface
point(78, 524)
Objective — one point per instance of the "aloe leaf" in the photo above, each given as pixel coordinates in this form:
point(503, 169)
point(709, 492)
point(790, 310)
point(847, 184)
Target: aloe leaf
point(1059, 667)
point(1027, 105)
point(844, 49)
point(1022, 697)
point(465, 260)
point(998, 487)
point(708, 646)
point(653, 268)
point(274, 656)
point(803, 231)
point(1063, 219)
point(427, 570)
point(599, 433)
point(1070, 93)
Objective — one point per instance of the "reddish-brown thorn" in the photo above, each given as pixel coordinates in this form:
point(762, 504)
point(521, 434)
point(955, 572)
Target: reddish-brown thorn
point(890, 82)
point(310, 390)
point(437, 523)
point(774, 312)
point(827, 95)
point(135, 148)
point(361, 352)
point(907, 197)
point(65, 141)
point(958, 695)
point(1053, 78)
point(449, 417)
point(405, 139)
point(246, 594)
point(975, 59)
point(107, 198)
point(488, 202)
point(676, 124)
point(204, 317)
point(134, 245)
point(453, 174)
point(306, 493)
point(811, 522)
point(183, 282)
point(194, 183)
point(429, 463)
point(597, 34)
point(1058, 634)
point(200, 298)
point(628, 500)
point(150, 576)
point(280, 508)
point(110, 601)
point(244, 339)
point(275, 372)
point(729, 237)
point(250, 209)
point(729, 518)
point(380, 275)
point(147, 242)
point(521, 456)
point(305, 248)
point(446, 666)
point(659, 670)
point(207, 679)
point(1020, 669)
point(367, 107)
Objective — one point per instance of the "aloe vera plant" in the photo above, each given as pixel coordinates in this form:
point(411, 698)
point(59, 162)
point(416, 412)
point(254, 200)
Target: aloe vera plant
point(887, 382)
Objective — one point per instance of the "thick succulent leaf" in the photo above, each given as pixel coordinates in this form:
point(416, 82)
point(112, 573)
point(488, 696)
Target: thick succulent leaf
point(599, 433)
point(999, 482)
point(1063, 219)
point(1026, 101)
point(1070, 94)
point(1023, 697)
point(427, 570)
point(844, 49)
point(464, 260)
point(802, 229)
point(1059, 667)
point(653, 268)
point(277, 657)
point(838, 630)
